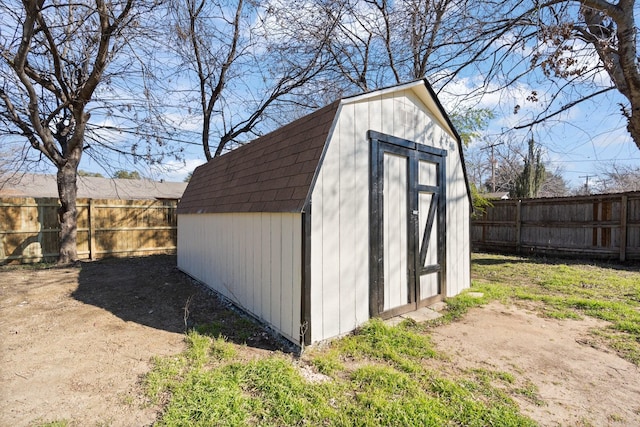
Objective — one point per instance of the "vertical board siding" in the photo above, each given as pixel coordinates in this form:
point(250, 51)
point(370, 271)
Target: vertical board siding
point(340, 209)
point(317, 262)
point(254, 259)
point(360, 247)
point(330, 213)
point(347, 190)
point(576, 226)
point(265, 266)
point(29, 228)
point(458, 217)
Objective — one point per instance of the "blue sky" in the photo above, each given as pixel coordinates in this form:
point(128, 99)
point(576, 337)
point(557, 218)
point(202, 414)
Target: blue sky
point(578, 143)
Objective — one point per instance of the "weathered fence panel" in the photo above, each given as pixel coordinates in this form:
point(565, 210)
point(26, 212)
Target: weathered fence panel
point(29, 228)
point(603, 226)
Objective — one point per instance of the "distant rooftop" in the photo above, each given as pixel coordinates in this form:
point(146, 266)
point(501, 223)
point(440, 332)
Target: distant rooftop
point(498, 195)
point(89, 187)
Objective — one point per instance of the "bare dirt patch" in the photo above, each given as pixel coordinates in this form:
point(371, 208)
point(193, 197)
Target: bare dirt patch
point(75, 342)
point(579, 381)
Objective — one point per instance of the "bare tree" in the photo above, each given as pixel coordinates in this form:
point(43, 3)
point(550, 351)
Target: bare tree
point(574, 43)
point(379, 42)
point(247, 59)
point(616, 178)
point(567, 51)
point(54, 60)
point(553, 185)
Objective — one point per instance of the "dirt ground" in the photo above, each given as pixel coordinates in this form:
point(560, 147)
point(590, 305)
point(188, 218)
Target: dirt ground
point(580, 382)
point(75, 343)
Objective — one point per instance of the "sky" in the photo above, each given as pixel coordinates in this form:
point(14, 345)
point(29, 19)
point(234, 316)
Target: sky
point(577, 144)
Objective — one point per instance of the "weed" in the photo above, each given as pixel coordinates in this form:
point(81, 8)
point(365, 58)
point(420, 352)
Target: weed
point(59, 423)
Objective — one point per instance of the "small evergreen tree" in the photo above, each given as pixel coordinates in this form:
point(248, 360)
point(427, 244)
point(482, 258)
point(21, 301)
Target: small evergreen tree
point(529, 182)
point(480, 202)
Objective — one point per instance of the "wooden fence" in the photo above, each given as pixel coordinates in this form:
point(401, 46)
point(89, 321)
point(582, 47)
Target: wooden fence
point(598, 226)
point(29, 228)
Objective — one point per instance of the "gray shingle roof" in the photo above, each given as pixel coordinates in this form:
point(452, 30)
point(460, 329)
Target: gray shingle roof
point(271, 174)
point(39, 185)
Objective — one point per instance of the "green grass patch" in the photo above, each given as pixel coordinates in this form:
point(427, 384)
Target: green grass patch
point(402, 345)
point(327, 362)
point(377, 376)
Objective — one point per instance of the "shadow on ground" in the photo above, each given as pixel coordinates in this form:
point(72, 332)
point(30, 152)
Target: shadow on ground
point(485, 258)
point(151, 291)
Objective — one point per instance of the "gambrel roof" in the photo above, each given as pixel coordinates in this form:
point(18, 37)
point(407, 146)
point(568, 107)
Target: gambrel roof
point(275, 172)
point(271, 174)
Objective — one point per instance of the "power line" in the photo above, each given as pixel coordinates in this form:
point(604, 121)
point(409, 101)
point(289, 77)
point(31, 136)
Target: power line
point(594, 160)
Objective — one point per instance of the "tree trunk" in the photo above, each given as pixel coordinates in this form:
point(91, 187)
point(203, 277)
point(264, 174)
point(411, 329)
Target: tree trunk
point(68, 214)
point(633, 125)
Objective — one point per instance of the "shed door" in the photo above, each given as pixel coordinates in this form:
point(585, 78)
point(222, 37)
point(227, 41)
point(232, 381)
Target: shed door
point(407, 225)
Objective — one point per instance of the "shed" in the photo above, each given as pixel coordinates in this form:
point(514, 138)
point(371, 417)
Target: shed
point(358, 210)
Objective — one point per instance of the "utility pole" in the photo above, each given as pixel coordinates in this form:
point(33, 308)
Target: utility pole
point(586, 184)
point(493, 164)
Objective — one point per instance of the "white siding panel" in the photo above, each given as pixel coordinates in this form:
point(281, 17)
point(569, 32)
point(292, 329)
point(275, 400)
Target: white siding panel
point(361, 214)
point(387, 114)
point(256, 281)
point(458, 211)
point(286, 292)
point(253, 259)
point(317, 267)
point(331, 242)
point(340, 227)
point(296, 277)
point(346, 148)
point(265, 262)
point(375, 116)
point(276, 271)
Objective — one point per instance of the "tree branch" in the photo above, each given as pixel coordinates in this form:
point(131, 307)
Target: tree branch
point(564, 108)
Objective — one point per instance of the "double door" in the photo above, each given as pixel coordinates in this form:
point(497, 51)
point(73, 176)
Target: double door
point(407, 264)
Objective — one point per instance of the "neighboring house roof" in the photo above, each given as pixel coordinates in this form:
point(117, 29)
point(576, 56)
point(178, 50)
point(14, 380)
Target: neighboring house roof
point(271, 174)
point(499, 195)
point(275, 172)
point(38, 185)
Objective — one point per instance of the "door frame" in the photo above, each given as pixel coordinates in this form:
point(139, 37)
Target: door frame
point(379, 144)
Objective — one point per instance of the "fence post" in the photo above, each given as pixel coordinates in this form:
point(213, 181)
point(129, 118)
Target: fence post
point(92, 241)
point(624, 200)
point(518, 225)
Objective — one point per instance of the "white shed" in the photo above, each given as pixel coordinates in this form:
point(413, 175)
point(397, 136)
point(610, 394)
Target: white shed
point(357, 210)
